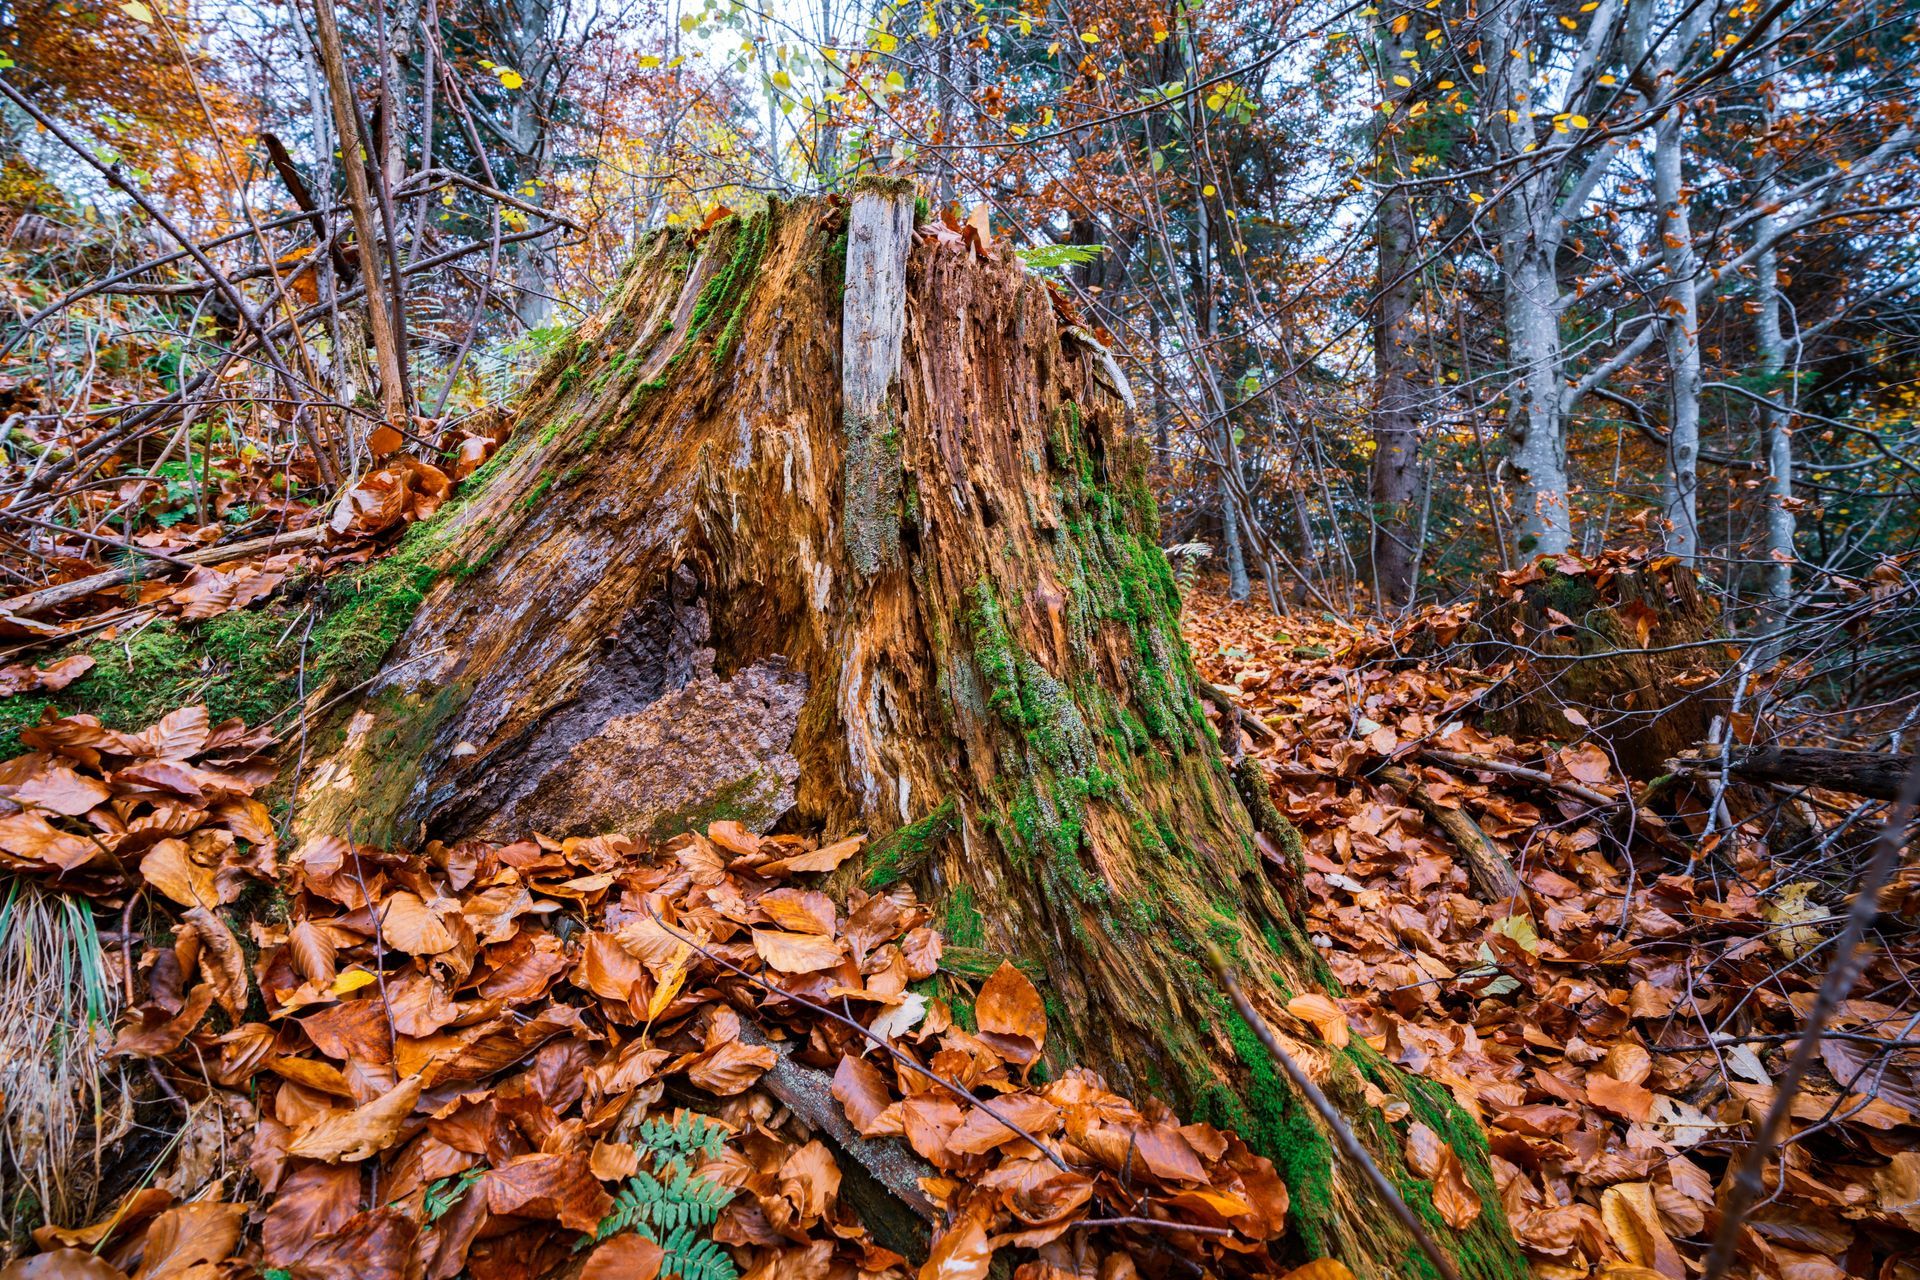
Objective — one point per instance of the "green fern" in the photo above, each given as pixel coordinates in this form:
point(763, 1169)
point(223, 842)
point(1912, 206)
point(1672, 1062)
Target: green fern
point(678, 1200)
point(671, 1205)
point(686, 1133)
point(694, 1257)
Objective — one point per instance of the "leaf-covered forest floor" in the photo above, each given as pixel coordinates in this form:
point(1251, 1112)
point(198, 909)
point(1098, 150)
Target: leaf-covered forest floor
point(487, 1060)
point(1620, 1040)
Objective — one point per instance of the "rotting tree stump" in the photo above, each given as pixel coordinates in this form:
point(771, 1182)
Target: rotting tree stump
point(822, 526)
point(1634, 651)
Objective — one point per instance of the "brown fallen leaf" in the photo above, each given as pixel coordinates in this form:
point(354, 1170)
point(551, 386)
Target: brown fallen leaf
point(1011, 1016)
point(358, 1134)
point(823, 859)
point(29, 836)
point(1320, 1269)
point(962, 1252)
point(171, 868)
point(559, 1187)
point(797, 952)
point(221, 961)
point(613, 1161)
point(413, 926)
point(627, 1256)
point(61, 1264)
point(188, 1235)
point(1326, 1017)
point(150, 1033)
point(1633, 1223)
point(59, 789)
point(1619, 1096)
point(1429, 1156)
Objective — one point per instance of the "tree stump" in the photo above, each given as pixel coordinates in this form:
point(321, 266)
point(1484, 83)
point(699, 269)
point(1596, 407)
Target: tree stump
point(821, 525)
point(1631, 650)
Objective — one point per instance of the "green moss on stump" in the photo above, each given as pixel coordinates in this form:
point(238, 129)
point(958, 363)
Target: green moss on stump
point(901, 854)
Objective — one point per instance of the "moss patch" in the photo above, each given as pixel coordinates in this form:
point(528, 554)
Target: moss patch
point(901, 854)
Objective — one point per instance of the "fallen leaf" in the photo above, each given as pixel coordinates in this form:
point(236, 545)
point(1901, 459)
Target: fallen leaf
point(797, 952)
point(1010, 1014)
point(188, 1235)
point(61, 1264)
point(627, 1256)
point(358, 1134)
point(1633, 1223)
point(1619, 1096)
point(961, 1253)
point(1328, 1018)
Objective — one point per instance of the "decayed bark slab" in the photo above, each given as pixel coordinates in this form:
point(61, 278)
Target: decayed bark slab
point(920, 589)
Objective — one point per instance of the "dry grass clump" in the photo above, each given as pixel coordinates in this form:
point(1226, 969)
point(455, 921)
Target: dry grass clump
point(58, 1005)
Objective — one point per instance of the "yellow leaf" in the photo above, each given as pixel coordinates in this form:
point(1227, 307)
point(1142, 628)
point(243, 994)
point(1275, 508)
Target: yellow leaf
point(1399, 24)
point(1476, 197)
point(1208, 190)
point(1608, 80)
point(1090, 37)
point(137, 11)
point(781, 80)
point(351, 980)
point(510, 80)
point(1403, 82)
point(649, 59)
point(885, 42)
point(1578, 122)
point(671, 980)
point(1521, 930)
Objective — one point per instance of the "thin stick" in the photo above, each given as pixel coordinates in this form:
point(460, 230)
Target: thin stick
point(65, 592)
point(1841, 973)
point(958, 1091)
point(1337, 1123)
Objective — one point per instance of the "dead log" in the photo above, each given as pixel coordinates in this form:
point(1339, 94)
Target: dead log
point(1634, 653)
point(1872, 774)
point(826, 527)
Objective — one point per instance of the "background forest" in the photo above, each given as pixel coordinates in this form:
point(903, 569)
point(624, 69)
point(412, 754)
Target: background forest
point(1529, 395)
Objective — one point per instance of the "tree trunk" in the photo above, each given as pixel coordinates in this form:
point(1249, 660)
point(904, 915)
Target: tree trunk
point(1776, 431)
point(725, 572)
point(1680, 502)
point(1394, 480)
point(353, 163)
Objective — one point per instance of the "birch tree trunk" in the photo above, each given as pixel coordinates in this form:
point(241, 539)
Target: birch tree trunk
point(1776, 435)
point(1681, 305)
point(826, 528)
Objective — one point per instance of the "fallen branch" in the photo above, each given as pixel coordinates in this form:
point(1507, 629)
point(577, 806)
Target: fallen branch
point(23, 607)
point(1459, 760)
point(1487, 867)
point(1858, 773)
